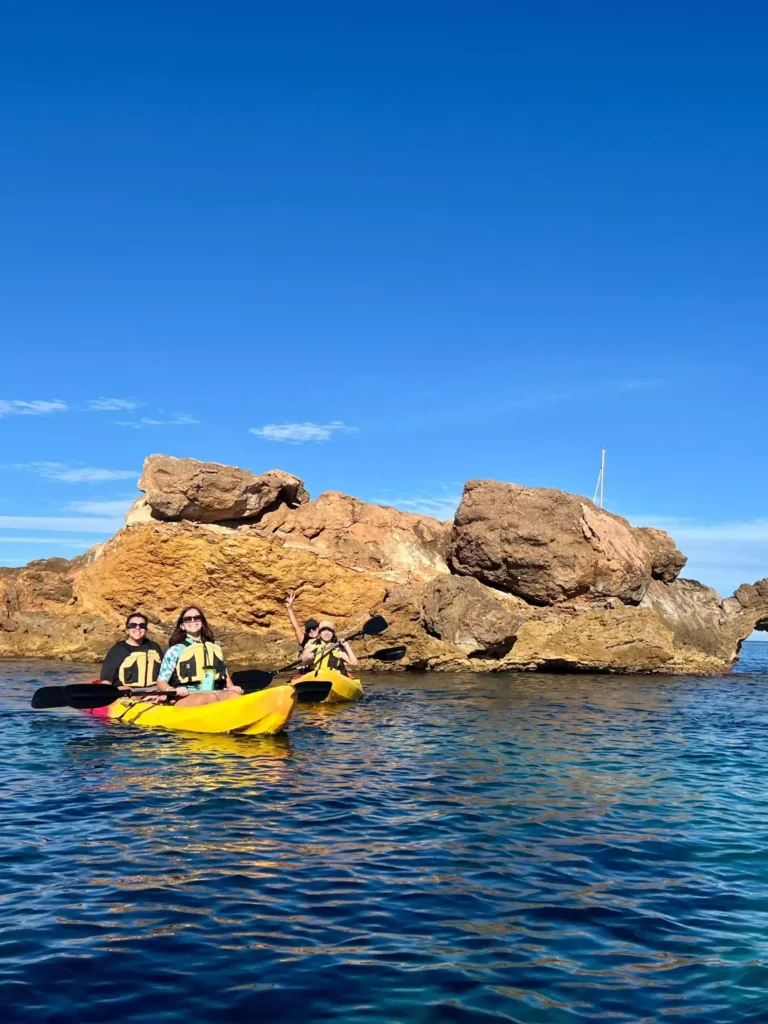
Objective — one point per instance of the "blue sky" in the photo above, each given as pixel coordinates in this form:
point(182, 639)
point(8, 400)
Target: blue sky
point(387, 247)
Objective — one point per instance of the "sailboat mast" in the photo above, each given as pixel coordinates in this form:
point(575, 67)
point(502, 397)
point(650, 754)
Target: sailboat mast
point(600, 486)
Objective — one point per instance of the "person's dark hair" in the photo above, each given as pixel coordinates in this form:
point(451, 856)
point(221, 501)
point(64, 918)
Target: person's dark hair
point(179, 634)
point(136, 615)
point(309, 625)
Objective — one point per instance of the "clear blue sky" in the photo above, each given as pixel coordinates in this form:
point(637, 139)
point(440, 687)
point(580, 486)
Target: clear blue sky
point(486, 238)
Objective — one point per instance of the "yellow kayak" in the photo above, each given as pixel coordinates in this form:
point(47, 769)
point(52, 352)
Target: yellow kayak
point(254, 714)
point(343, 688)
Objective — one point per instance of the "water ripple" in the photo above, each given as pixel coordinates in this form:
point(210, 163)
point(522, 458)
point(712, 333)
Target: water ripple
point(452, 849)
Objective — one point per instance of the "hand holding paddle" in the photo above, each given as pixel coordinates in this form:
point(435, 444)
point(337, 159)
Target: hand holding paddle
point(252, 676)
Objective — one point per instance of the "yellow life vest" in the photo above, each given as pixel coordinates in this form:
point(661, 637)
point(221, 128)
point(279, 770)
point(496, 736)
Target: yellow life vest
point(326, 656)
point(196, 659)
point(139, 669)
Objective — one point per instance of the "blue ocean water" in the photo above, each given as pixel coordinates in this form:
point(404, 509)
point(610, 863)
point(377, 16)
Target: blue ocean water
point(534, 848)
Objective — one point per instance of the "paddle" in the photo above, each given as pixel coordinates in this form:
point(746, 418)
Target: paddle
point(76, 695)
point(253, 676)
point(312, 691)
point(388, 654)
point(87, 696)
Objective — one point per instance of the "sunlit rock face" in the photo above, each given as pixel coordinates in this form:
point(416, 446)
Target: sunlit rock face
point(525, 578)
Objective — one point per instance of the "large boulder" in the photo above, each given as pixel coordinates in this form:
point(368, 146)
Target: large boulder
point(399, 547)
point(462, 611)
point(547, 546)
point(207, 492)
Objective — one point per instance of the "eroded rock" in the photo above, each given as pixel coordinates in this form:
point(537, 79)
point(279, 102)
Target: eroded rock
point(547, 546)
point(399, 547)
point(462, 611)
point(207, 492)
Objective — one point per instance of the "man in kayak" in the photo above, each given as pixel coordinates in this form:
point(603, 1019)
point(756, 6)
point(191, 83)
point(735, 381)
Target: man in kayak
point(329, 652)
point(134, 662)
point(193, 667)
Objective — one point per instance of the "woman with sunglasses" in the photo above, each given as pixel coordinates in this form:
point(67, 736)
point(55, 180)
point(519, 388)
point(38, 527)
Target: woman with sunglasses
point(329, 652)
point(134, 662)
point(193, 667)
point(311, 626)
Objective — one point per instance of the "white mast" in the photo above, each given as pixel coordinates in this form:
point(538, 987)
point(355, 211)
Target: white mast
point(600, 487)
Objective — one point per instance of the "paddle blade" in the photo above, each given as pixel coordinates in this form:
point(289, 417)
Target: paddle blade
point(84, 696)
point(388, 654)
point(76, 695)
point(252, 679)
point(312, 691)
point(50, 697)
point(374, 626)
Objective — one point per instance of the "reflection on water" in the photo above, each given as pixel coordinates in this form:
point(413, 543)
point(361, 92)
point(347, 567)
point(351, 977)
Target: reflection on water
point(527, 848)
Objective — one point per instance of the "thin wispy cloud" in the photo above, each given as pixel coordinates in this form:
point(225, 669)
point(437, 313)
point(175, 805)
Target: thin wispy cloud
point(178, 420)
point(62, 524)
point(76, 474)
point(604, 389)
point(680, 528)
point(439, 506)
point(112, 405)
point(51, 541)
point(100, 508)
point(15, 407)
point(298, 433)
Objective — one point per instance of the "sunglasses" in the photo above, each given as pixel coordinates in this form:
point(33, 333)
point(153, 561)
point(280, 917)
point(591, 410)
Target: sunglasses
point(136, 625)
point(192, 618)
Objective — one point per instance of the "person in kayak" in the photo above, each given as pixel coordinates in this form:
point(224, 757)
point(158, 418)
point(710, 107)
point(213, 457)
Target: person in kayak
point(133, 663)
point(329, 652)
point(311, 626)
point(193, 667)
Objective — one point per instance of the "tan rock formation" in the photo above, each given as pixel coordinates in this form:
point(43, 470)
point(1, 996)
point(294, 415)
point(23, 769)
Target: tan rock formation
point(462, 611)
point(206, 492)
point(666, 561)
point(399, 547)
point(623, 638)
point(541, 579)
point(548, 546)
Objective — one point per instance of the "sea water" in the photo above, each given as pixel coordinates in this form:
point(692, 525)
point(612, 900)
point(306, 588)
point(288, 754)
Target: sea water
point(453, 848)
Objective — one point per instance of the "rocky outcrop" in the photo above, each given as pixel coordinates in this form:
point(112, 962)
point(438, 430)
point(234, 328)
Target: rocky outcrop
point(547, 546)
point(666, 562)
point(396, 546)
point(478, 621)
point(526, 578)
point(206, 492)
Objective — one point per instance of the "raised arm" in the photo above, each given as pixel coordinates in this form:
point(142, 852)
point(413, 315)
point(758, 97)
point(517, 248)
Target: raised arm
point(291, 615)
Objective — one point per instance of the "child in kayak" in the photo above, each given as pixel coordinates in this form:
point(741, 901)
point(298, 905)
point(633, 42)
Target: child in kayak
point(193, 667)
point(328, 652)
point(311, 626)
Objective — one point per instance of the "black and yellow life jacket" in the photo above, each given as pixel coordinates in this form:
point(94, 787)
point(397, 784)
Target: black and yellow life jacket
point(326, 656)
point(193, 662)
point(139, 668)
